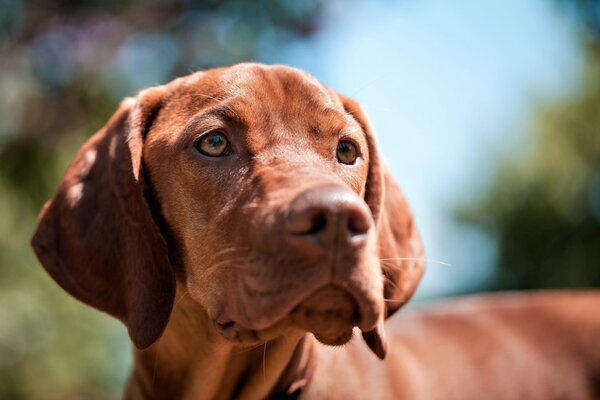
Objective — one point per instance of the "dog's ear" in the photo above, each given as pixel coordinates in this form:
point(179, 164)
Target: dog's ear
point(97, 237)
point(400, 248)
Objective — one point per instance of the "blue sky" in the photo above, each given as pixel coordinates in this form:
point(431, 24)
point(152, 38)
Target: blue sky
point(449, 90)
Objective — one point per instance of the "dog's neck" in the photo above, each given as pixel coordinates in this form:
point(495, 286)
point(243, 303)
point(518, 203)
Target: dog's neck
point(191, 361)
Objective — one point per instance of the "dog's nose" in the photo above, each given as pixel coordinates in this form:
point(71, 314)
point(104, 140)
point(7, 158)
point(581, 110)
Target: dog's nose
point(328, 215)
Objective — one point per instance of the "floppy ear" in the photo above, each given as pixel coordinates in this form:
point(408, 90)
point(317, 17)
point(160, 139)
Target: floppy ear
point(400, 248)
point(97, 238)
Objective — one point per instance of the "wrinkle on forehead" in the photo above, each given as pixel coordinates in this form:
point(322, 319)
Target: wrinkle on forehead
point(280, 155)
point(262, 92)
point(279, 105)
point(278, 84)
point(258, 84)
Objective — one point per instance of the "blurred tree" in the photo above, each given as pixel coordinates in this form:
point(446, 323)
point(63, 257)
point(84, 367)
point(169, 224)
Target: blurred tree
point(544, 206)
point(64, 66)
point(587, 12)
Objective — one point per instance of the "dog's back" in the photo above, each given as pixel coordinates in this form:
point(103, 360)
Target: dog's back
point(540, 345)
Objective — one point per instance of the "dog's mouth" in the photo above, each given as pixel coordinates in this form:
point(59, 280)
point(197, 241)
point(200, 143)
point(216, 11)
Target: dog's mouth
point(330, 314)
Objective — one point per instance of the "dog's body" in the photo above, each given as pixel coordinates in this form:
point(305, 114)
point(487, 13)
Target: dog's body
point(240, 222)
point(511, 346)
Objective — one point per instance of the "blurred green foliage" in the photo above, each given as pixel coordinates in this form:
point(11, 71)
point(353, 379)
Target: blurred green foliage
point(64, 67)
point(543, 207)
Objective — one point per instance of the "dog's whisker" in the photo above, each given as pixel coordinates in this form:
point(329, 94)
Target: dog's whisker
point(264, 366)
point(177, 301)
point(392, 265)
point(395, 285)
point(252, 205)
point(429, 260)
point(392, 283)
point(155, 366)
point(249, 349)
point(229, 263)
point(395, 301)
point(230, 250)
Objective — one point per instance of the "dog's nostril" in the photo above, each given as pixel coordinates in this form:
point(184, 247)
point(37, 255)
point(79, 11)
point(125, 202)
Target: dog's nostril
point(318, 223)
point(226, 325)
point(357, 222)
point(309, 221)
point(356, 316)
point(326, 216)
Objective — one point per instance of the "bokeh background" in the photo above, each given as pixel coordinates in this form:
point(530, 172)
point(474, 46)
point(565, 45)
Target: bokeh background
point(488, 113)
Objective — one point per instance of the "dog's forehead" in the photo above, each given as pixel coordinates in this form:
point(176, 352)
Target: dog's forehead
point(276, 103)
point(268, 107)
point(277, 82)
point(258, 90)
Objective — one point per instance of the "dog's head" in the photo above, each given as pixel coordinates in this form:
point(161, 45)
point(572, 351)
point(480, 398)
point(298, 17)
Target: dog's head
point(257, 188)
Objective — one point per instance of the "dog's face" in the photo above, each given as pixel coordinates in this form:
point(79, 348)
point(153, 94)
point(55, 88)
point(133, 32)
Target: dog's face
point(261, 181)
point(265, 188)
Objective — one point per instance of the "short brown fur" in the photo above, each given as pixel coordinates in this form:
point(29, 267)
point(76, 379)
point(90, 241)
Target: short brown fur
point(201, 258)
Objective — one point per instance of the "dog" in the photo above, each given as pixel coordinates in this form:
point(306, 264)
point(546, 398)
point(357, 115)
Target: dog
point(242, 224)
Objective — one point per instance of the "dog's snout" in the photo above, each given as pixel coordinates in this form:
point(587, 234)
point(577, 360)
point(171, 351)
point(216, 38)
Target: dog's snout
point(328, 215)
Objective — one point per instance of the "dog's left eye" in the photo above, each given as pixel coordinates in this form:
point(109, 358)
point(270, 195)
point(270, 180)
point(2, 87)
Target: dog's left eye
point(214, 144)
point(346, 152)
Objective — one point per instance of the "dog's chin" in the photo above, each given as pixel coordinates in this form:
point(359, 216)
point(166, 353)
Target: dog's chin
point(330, 314)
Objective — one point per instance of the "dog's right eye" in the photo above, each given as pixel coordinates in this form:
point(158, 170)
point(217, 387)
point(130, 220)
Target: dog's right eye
point(213, 144)
point(346, 152)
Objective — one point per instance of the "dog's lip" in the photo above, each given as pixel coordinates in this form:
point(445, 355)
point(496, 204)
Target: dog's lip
point(369, 300)
point(330, 313)
point(242, 332)
point(369, 309)
point(235, 332)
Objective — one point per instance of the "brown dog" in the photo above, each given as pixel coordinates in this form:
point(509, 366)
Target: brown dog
point(225, 215)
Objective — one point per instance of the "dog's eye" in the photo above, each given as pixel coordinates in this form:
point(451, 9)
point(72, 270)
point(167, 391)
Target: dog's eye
point(214, 144)
point(346, 152)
